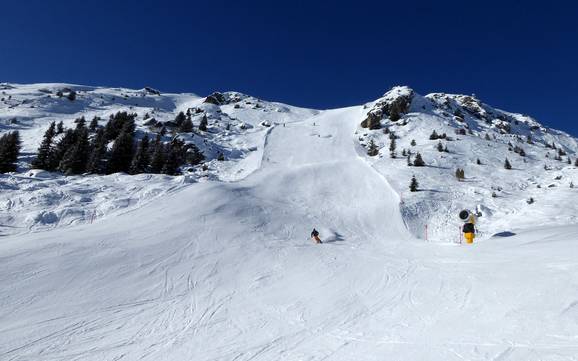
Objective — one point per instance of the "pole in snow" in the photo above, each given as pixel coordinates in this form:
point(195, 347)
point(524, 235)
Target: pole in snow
point(426, 232)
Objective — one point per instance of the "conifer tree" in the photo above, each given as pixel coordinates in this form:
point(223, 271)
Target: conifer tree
point(414, 185)
point(413, 143)
point(157, 156)
point(440, 147)
point(180, 118)
point(45, 152)
point(186, 126)
point(141, 159)
point(507, 164)
point(9, 151)
point(93, 124)
point(203, 124)
point(372, 149)
point(97, 158)
point(434, 135)
point(418, 161)
point(194, 155)
point(121, 153)
point(478, 161)
point(392, 147)
point(171, 164)
point(74, 160)
point(60, 127)
point(61, 148)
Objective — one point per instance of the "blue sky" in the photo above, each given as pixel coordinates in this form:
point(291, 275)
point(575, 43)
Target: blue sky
point(513, 55)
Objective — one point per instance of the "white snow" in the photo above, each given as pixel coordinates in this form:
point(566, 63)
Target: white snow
point(220, 267)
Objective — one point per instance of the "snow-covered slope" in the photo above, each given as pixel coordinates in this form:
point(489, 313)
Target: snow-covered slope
point(220, 268)
point(475, 131)
point(36, 200)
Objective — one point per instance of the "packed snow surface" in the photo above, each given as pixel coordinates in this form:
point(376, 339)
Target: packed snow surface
point(197, 268)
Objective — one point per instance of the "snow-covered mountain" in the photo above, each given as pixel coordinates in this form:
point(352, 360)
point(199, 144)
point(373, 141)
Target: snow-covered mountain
point(217, 264)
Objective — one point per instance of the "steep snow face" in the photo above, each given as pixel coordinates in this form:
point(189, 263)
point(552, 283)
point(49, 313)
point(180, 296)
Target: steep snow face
point(478, 139)
point(33, 200)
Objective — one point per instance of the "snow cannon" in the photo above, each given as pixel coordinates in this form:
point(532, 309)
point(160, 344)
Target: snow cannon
point(469, 229)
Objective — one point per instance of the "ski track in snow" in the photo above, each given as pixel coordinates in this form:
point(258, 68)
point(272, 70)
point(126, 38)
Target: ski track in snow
point(225, 271)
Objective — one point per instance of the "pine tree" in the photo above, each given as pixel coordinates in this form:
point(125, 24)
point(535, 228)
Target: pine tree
point(507, 164)
point(43, 159)
point(158, 156)
point(221, 157)
point(409, 163)
point(60, 128)
point(478, 161)
point(403, 153)
point(186, 126)
point(414, 185)
point(372, 149)
point(61, 148)
point(434, 136)
point(9, 151)
point(180, 118)
point(392, 147)
point(171, 164)
point(413, 143)
point(97, 158)
point(488, 137)
point(74, 160)
point(203, 124)
point(194, 155)
point(576, 162)
point(440, 147)
point(460, 174)
point(93, 124)
point(141, 159)
point(121, 153)
point(418, 161)
point(80, 122)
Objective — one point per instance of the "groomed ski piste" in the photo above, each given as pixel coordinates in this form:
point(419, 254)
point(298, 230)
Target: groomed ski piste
point(216, 270)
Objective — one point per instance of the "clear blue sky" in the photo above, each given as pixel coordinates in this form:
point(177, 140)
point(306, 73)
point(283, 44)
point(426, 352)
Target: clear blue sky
point(513, 55)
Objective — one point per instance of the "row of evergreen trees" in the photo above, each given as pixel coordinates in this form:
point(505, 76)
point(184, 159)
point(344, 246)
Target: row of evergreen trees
point(77, 151)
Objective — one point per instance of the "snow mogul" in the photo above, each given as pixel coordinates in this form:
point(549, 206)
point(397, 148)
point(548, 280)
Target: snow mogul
point(315, 236)
point(469, 228)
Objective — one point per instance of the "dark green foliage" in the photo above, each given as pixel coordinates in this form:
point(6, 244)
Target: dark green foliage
point(175, 156)
point(60, 128)
point(392, 147)
point(194, 155)
point(413, 143)
point(418, 161)
point(187, 125)
point(434, 135)
point(440, 147)
point(414, 185)
point(75, 158)
point(93, 124)
point(121, 153)
point(9, 151)
point(221, 157)
point(119, 122)
point(80, 122)
point(43, 159)
point(97, 158)
point(157, 156)
point(203, 124)
point(460, 174)
point(372, 149)
point(61, 147)
point(141, 159)
point(71, 95)
point(180, 118)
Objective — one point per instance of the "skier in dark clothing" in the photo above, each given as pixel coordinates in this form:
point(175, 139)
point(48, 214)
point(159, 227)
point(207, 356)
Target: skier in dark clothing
point(315, 236)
